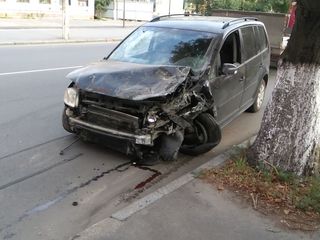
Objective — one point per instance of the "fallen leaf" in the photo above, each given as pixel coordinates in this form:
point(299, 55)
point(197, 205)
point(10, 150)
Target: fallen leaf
point(286, 211)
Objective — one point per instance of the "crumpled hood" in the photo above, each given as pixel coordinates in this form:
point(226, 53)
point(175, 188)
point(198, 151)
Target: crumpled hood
point(129, 80)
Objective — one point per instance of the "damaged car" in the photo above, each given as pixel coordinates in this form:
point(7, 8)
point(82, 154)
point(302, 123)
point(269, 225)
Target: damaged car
point(171, 85)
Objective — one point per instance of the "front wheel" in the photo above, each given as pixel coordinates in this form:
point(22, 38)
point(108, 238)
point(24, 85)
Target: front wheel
point(206, 135)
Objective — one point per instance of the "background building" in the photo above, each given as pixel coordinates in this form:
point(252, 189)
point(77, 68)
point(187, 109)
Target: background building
point(46, 8)
point(143, 9)
point(134, 9)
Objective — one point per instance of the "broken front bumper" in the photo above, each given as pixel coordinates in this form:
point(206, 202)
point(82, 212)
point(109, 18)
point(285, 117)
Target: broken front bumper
point(143, 139)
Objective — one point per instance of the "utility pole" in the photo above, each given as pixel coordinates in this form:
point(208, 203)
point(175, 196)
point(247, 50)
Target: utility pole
point(114, 10)
point(65, 19)
point(116, 7)
point(124, 14)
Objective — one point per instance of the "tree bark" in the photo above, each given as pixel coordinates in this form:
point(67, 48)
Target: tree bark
point(289, 137)
point(304, 44)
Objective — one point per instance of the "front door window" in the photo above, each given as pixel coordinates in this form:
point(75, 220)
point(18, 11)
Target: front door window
point(230, 51)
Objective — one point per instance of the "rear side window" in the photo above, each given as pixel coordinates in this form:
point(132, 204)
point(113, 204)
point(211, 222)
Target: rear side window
point(262, 38)
point(249, 42)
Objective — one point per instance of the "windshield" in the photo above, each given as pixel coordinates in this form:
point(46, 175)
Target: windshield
point(163, 46)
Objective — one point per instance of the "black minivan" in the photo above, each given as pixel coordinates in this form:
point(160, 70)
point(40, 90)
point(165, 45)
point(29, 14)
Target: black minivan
point(171, 85)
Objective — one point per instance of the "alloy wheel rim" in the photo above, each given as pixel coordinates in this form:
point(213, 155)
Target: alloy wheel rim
point(260, 96)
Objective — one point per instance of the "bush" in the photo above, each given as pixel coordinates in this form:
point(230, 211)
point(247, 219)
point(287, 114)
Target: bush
point(206, 6)
point(100, 6)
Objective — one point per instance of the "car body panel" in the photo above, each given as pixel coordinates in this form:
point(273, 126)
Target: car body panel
point(152, 104)
point(129, 80)
point(227, 92)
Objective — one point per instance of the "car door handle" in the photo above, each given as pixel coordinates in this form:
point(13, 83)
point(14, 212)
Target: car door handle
point(242, 78)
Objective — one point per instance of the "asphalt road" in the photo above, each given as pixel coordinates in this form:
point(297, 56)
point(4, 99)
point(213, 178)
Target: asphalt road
point(48, 34)
point(45, 195)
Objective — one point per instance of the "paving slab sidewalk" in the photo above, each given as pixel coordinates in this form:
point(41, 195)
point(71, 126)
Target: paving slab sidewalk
point(38, 31)
point(189, 209)
point(21, 23)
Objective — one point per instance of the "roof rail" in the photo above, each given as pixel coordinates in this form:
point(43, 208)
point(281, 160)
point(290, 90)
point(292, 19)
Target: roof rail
point(186, 14)
point(227, 24)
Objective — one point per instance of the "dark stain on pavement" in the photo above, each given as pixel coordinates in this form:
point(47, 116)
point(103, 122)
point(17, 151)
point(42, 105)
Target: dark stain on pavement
point(155, 174)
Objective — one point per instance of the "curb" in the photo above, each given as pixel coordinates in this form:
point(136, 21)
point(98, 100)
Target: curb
point(104, 229)
point(61, 41)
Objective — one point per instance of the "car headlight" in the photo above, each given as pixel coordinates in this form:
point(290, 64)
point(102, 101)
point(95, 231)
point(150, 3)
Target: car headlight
point(71, 97)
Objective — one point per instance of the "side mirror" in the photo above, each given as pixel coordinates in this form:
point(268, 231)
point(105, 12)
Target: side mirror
point(229, 69)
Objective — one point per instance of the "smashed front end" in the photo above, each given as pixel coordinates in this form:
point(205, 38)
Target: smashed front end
point(148, 107)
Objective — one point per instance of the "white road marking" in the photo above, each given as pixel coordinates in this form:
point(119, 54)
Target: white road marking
point(39, 70)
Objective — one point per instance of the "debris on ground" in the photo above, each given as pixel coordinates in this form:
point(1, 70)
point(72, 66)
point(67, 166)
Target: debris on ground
point(295, 201)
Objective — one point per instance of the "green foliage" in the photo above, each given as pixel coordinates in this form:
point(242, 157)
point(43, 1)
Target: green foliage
point(267, 176)
point(241, 163)
point(206, 6)
point(287, 177)
point(312, 198)
point(239, 157)
point(100, 6)
point(281, 6)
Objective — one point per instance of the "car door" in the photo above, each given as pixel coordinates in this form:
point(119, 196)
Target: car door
point(252, 60)
point(227, 89)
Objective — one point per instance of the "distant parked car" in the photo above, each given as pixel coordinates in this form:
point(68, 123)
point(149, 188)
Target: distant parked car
point(172, 85)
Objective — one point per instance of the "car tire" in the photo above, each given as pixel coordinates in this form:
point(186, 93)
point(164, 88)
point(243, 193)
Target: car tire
point(256, 106)
point(206, 136)
point(170, 145)
point(65, 121)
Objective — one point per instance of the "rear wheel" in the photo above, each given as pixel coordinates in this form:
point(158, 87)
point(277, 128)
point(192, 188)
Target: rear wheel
point(256, 106)
point(206, 135)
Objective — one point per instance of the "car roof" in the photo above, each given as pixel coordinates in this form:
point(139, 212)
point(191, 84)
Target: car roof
point(211, 24)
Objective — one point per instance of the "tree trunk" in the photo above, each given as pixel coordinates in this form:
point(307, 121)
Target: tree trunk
point(289, 137)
